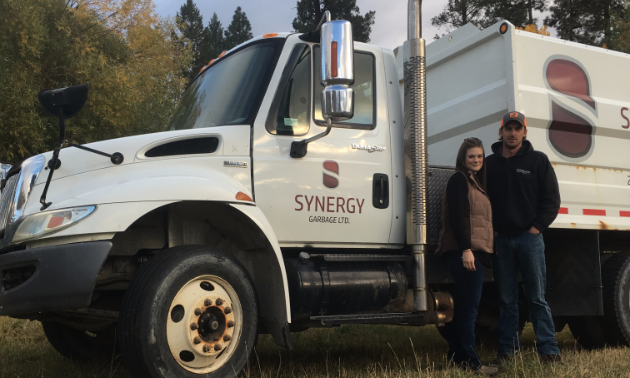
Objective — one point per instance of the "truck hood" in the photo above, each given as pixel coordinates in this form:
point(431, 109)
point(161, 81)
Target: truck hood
point(75, 161)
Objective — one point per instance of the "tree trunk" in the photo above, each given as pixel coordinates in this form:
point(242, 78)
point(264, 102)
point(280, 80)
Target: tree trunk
point(464, 8)
point(530, 11)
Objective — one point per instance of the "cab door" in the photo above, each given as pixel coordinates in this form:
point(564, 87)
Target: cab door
point(339, 193)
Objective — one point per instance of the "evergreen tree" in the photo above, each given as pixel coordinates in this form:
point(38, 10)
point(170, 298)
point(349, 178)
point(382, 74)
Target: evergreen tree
point(213, 41)
point(483, 13)
point(458, 13)
point(310, 12)
point(190, 23)
point(586, 21)
point(239, 30)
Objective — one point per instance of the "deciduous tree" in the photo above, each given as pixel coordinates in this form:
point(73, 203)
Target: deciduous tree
point(122, 48)
point(310, 12)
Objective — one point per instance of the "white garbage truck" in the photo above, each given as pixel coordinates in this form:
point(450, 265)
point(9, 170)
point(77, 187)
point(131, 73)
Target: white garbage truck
point(298, 184)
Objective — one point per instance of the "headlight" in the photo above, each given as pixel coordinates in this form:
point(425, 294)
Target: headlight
point(30, 170)
point(40, 224)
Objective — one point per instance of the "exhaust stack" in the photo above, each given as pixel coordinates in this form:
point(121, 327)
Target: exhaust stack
point(415, 132)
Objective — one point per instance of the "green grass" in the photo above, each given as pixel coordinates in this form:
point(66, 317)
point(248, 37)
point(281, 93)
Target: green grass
point(349, 351)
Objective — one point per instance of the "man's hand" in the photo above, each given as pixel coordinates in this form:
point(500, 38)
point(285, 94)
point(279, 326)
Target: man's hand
point(469, 260)
point(534, 230)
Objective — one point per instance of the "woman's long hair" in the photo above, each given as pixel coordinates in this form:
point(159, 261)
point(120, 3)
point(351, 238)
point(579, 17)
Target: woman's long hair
point(460, 163)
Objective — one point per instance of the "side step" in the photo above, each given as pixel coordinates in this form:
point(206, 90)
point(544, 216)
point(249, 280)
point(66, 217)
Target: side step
point(398, 318)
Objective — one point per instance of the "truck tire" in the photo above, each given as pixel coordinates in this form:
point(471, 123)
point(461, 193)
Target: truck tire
point(616, 290)
point(80, 345)
point(587, 330)
point(189, 311)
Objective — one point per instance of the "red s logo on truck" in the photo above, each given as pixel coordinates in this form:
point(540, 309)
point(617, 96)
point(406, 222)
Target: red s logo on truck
point(570, 134)
point(332, 167)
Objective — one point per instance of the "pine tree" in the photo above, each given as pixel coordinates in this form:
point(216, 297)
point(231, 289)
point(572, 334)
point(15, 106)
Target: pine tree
point(310, 12)
point(213, 41)
point(458, 13)
point(586, 21)
point(239, 30)
point(190, 23)
point(483, 13)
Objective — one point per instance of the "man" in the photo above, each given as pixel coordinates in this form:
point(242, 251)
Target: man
point(523, 190)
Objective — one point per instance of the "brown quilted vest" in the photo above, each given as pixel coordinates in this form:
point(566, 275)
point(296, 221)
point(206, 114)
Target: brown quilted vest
point(480, 220)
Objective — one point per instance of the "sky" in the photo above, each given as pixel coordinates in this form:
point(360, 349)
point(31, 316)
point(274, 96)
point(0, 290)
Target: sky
point(268, 16)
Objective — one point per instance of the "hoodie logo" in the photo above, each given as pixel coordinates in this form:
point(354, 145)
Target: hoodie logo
point(331, 174)
point(569, 133)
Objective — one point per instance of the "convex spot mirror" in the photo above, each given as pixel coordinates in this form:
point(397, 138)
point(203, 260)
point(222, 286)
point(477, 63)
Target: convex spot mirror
point(68, 100)
point(337, 68)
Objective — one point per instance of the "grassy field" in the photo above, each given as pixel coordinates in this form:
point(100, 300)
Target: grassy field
point(349, 351)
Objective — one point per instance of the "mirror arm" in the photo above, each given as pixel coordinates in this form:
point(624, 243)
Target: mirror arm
point(299, 148)
point(55, 159)
point(325, 18)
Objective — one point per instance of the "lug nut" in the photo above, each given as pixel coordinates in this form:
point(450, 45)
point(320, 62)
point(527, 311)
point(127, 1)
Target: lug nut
point(207, 302)
point(197, 311)
point(217, 347)
point(197, 340)
point(193, 326)
point(227, 338)
point(206, 349)
point(230, 324)
point(219, 302)
point(227, 310)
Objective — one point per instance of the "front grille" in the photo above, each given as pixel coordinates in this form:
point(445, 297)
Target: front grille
point(6, 200)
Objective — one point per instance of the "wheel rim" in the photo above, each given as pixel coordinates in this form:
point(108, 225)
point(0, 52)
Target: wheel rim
point(204, 324)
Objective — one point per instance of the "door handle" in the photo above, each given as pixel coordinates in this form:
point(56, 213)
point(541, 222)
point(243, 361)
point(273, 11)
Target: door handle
point(380, 191)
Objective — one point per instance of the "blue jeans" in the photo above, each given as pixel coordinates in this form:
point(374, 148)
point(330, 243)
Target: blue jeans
point(525, 252)
point(466, 295)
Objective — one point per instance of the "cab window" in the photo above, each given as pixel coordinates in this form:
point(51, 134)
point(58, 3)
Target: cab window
point(291, 106)
point(364, 92)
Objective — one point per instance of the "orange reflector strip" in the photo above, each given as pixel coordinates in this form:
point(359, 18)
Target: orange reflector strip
point(220, 55)
point(270, 35)
point(333, 59)
point(243, 197)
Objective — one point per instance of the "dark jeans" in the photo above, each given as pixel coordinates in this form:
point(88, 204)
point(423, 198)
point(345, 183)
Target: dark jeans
point(466, 295)
point(526, 253)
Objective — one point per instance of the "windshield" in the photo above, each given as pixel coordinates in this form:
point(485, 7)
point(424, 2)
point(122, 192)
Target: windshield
point(230, 91)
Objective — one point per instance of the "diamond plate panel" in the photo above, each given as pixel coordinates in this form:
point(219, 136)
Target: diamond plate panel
point(437, 180)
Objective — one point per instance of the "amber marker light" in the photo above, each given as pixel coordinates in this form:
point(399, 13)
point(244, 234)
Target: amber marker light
point(270, 35)
point(504, 28)
point(220, 55)
point(243, 197)
point(203, 69)
point(333, 59)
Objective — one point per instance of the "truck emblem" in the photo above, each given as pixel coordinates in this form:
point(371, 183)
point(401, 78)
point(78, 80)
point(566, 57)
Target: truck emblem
point(235, 164)
point(368, 147)
point(569, 134)
point(329, 180)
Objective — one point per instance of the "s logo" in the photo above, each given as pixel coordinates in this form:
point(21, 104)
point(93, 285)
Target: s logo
point(331, 174)
point(569, 133)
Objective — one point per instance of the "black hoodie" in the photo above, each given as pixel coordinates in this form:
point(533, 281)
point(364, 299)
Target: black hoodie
point(523, 190)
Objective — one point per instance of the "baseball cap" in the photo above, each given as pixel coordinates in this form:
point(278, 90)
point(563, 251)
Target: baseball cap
point(516, 117)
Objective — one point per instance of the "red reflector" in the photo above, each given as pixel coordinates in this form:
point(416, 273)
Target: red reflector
point(624, 213)
point(333, 59)
point(594, 212)
point(563, 210)
point(55, 222)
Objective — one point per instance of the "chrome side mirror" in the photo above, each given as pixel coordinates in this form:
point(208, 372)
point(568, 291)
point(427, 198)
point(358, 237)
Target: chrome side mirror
point(337, 73)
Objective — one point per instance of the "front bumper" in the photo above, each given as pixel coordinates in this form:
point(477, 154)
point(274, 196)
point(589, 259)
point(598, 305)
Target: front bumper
point(60, 277)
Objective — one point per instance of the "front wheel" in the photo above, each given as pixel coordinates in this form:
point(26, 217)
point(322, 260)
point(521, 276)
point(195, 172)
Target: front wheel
point(189, 311)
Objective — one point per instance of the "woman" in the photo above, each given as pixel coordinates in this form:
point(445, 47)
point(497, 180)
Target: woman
point(466, 243)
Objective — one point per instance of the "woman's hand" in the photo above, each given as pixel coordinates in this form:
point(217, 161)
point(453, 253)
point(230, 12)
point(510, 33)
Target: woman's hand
point(469, 260)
